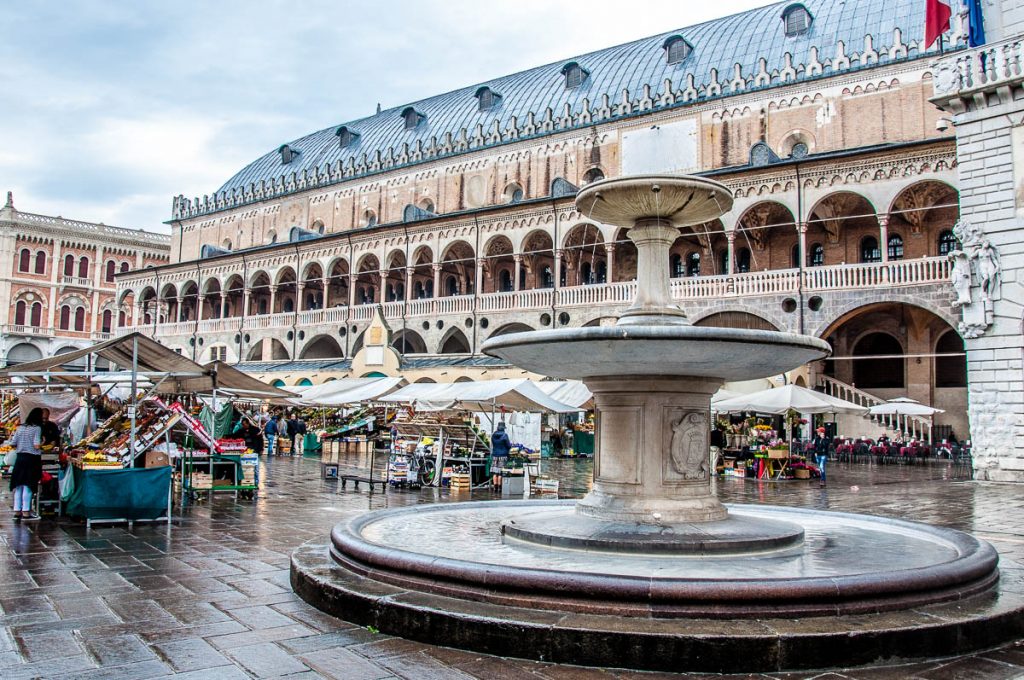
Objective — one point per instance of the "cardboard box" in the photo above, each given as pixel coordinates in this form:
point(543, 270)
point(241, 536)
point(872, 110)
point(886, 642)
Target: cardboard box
point(155, 459)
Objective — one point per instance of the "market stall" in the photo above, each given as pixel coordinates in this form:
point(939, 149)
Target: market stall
point(344, 413)
point(443, 436)
point(773, 456)
point(136, 441)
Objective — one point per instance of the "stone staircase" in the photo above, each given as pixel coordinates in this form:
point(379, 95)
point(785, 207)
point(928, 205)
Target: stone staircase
point(913, 427)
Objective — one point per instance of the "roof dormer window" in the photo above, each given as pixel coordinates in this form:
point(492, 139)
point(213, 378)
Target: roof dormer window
point(796, 20)
point(487, 98)
point(287, 153)
point(574, 75)
point(676, 49)
point(412, 118)
point(347, 137)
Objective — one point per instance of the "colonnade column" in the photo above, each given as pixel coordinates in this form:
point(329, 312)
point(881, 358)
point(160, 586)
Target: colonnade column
point(558, 270)
point(883, 231)
point(351, 291)
point(802, 248)
point(273, 298)
point(200, 302)
point(177, 315)
point(408, 283)
point(437, 279)
point(517, 272)
point(609, 251)
point(730, 253)
point(246, 302)
point(300, 288)
point(223, 303)
point(381, 296)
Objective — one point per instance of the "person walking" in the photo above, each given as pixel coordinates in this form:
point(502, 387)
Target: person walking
point(270, 434)
point(821, 452)
point(28, 468)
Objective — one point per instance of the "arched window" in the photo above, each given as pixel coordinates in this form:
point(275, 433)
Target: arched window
point(41, 262)
point(743, 260)
point(602, 272)
point(262, 308)
point(124, 267)
point(287, 305)
point(83, 268)
point(505, 281)
point(400, 292)
point(24, 260)
point(675, 266)
point(110, 271)
point(65, 317)
point(593, 175)
point(19, 313)
point(120, 319)
point(369, 219)
point(723, 261)
point(950, 371)
point(69, 265)
point(272, 237)
point(886, 371)
point(452, 285)
point(799, 151)
point(574, 75)
point(107, 320)
point(796, 20)
point(947, 242)
point(794, 256)
point(37, 314)
point(816, 255)
point(895, 247)
point(676, 49)
point(547, 278)
point(693, 264)
point(586, 273)
point(80, 319)
point(869, 251)
point(513, 193)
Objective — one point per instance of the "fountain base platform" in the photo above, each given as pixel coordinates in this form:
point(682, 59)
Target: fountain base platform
point(857, 590)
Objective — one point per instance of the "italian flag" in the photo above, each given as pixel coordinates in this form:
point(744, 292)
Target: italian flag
point(936, 20)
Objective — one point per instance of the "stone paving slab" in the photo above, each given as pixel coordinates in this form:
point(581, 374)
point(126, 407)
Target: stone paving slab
point(209, 598)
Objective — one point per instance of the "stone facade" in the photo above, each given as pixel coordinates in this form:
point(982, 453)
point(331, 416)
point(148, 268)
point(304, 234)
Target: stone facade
point(845, 195)
point(983, 90)
point(58, 280)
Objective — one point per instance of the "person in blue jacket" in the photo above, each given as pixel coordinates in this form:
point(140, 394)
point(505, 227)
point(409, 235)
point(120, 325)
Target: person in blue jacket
point(270, 432)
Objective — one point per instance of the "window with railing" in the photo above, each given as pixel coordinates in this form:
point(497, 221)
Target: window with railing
point(895, 247)
point(947, 242)
point(675, 266)
point(816, 255)
point(693, 264)
point(869, 251)
point(743, 260)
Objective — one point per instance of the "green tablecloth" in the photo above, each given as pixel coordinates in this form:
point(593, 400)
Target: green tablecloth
point(137, 493)
point(582, 442)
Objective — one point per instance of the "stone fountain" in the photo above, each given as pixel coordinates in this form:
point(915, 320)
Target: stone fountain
point(650, 570)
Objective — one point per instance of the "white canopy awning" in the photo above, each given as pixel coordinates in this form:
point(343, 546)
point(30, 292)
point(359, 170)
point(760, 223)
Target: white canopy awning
point(348, 391)
point(515, 394)
point(903, 406)
point(781, 399)
point(569, 392)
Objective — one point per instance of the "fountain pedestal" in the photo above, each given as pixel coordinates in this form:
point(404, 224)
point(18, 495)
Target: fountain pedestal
point(651, 462)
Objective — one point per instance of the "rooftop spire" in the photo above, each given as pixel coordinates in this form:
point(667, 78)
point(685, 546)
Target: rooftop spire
point(10, 200)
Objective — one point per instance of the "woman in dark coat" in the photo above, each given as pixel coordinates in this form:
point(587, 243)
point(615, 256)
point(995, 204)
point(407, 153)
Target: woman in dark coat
point(28, 469)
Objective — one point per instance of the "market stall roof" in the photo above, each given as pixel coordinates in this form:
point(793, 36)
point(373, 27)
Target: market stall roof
point(243, 385)
point(570, 392)
point(516, 394)
point(348, 391)
point(175, 373)
point(781, 399)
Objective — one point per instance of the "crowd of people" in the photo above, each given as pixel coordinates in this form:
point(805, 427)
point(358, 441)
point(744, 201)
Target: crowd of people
point(275, 434)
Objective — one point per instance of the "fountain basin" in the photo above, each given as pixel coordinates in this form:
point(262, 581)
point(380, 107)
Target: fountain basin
point(722, 354)
point(683, 200)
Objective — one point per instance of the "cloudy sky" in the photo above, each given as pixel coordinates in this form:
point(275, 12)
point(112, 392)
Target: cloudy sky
point(111, 108)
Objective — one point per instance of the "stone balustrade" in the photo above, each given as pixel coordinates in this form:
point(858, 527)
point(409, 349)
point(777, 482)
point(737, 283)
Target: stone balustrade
point(879, 275)
point(993, 68)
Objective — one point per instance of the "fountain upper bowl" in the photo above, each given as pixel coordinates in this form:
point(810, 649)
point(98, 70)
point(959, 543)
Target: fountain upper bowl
point(683, 200)
point(728, 354)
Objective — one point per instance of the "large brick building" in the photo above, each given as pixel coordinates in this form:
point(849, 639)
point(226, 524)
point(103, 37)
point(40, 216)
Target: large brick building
point(452, 218)
point(57, 280)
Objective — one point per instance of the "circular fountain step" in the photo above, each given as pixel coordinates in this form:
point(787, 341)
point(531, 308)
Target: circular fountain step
point(736, 535)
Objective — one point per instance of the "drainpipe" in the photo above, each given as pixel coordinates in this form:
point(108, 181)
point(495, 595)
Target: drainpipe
point(476, 291)
point(405, 292)
point(802, 255)
point(195, 323)
point(298, 302)
point(241, 323)
point(556, 276)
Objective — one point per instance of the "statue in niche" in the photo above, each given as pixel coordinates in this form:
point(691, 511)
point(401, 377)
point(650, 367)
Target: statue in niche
point(989, 271)
point(961, 277)
point(688, 451)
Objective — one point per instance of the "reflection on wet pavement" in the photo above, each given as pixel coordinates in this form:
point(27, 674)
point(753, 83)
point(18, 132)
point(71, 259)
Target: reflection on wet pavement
point(210, 596)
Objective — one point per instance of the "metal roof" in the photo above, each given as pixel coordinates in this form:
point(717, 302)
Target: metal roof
point(743, 38)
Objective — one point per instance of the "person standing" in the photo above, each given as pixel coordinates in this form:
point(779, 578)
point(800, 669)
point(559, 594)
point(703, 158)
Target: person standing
point(500, 447)
point(28, 469)
point(270, 434)
point(300, 431)
point(293, 431)
point(821, 452)
point(282, 434)
point(50, 432)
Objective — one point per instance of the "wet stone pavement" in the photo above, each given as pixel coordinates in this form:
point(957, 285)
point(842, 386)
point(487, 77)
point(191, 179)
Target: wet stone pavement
point(209, 597)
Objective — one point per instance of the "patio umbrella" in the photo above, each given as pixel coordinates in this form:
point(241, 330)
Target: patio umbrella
point(903, 406)
point(782, 399)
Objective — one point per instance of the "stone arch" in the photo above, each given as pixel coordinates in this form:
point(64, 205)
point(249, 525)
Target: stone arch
point(848, 311)
point(767, 230)
point(736, 318)
point(514, 327)
point(285, 275)
point(538, 252)
point(928, 207)
point(322, 347)
point(278, 352)
point(500, 265)
point(454, 342)
point(313, 286)
point(23, 352)
point(584, 258)
point(255, 352)
point(408, 341)
point(839, 220)
point(458, 265)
